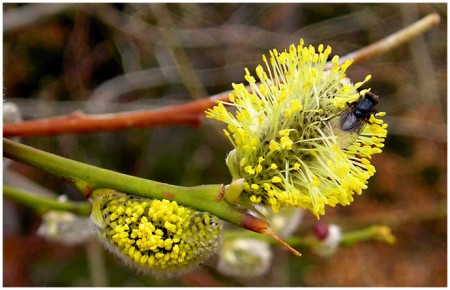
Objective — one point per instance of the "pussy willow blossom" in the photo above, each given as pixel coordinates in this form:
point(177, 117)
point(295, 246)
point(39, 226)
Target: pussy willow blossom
point(157, 236)
point(284, 146)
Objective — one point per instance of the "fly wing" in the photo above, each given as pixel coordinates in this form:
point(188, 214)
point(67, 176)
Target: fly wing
point(346, 127)
point(348, 122)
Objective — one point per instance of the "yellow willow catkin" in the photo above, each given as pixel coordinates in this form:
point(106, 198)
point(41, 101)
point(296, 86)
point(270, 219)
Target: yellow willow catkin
point(156, 236)
point(284, 145)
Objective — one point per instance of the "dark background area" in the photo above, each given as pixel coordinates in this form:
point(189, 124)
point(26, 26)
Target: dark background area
point(74, 57)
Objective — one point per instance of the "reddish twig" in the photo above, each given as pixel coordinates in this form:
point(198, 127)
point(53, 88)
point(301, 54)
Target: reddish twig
point(190, 113)
point(394, 40)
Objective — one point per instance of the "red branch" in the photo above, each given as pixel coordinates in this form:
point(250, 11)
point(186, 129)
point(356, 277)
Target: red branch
point(190, 113)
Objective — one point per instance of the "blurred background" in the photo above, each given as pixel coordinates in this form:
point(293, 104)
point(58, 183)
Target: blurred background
point(101, 58)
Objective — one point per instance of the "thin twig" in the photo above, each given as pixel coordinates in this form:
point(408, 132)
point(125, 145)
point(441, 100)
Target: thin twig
point(394, 40)
point(43, 203)
point(189, 113)
point(371, 232)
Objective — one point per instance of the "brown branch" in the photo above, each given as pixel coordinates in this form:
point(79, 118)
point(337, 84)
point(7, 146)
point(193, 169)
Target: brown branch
point(394, 40)
point(190, 113)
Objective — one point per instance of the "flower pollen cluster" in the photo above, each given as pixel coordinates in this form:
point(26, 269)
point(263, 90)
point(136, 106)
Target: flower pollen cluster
point(284, 145)
point(159, 236)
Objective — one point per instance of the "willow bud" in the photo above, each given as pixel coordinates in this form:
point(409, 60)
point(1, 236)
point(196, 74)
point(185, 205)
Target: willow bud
point(244, 258)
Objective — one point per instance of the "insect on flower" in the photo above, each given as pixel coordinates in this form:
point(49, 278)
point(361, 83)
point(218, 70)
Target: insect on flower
point(283, 134)
point(350, 122)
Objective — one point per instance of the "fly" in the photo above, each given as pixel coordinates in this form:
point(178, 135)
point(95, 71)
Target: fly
point(348, 124)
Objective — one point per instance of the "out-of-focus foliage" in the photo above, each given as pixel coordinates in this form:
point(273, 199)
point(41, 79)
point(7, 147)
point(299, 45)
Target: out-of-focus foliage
point(119, 57)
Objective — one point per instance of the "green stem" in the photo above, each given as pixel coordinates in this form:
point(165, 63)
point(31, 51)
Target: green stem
point(240, 234)
point(86, 178)
point(42, 203)
point(374, 232)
